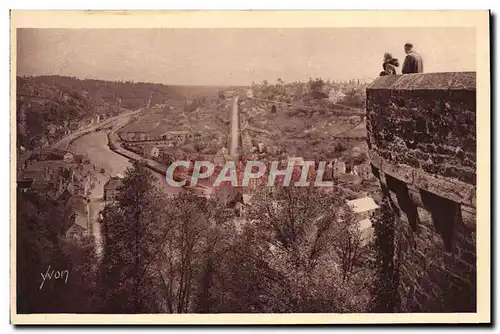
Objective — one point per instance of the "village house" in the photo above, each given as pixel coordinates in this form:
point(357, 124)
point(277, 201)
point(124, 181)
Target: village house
point(24, 185)
point(366, 231)
point(80, 226)
point(111, 189)
point(336, 95)
point(349, 178)
point(67, 192)
point(38, 154)
point(58, 154)
point(50, 188)
point(48, 176)
point(82, 179)
point(79, 159)
point(180, 136)
point(339, 167)
point(150, 150)
point(138, 135)
point(364, 208)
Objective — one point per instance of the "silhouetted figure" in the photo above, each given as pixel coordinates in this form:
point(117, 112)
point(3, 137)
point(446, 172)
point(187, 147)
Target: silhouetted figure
point(389, 65)
point(273, 109)
point(413, 62)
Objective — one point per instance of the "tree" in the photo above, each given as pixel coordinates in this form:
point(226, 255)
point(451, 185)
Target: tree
point(159, 252)
point(385, 288)
point(317, 84)
point(182, 252)
point(135, 226)
point(41, 248)
point(296, 233)
point(349, 250)
point(219, 239)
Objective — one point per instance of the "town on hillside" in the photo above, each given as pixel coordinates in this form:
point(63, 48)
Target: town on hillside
point(82, 167)
point(244, 171)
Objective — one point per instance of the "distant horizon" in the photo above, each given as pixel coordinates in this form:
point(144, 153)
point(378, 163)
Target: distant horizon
point(236, 57)
point(181, 85)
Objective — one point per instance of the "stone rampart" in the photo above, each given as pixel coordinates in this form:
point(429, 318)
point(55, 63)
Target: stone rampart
point(422, 147)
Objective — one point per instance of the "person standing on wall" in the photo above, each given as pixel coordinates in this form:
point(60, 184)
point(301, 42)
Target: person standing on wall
point(413, 61)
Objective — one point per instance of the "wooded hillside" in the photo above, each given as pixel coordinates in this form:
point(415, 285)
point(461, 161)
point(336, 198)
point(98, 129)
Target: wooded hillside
point(48, 107)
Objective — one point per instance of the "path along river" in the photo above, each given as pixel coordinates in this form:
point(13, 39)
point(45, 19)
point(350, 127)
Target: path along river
point(94, 146)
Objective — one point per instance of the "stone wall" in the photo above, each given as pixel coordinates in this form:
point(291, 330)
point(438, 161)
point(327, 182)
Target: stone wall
point(422, 144)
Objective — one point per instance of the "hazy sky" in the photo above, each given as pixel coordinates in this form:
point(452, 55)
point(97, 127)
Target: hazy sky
point(236, 56)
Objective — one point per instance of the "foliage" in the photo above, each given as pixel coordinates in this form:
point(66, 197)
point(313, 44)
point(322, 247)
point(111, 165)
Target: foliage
point(339, 146)
point(155, 245)
point(354, 98)
point(194, 104)
point(317, 84)
point(200, 258)
point(286, 258)
point(134, 227)
point(40, 233)
point(385, 287)
point(49, 106)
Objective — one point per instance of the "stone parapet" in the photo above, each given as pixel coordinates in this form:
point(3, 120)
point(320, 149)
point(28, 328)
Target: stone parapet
point(422, 146)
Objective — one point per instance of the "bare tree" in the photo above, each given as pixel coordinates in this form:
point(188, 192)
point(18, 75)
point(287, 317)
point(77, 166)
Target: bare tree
point(179, 263)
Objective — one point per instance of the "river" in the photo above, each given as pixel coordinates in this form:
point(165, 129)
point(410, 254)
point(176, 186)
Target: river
point(95, 147)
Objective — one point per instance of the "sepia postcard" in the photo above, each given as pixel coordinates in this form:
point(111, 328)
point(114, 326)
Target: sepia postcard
point(250, 167)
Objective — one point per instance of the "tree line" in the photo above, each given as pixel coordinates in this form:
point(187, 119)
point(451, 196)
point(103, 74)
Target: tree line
point(298, 250)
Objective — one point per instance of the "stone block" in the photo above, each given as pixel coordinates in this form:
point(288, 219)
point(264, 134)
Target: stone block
point(375, 159)
point(464, 81)
point(427, 81)
point(454, 190)
point(399, 171)
point(383, 82)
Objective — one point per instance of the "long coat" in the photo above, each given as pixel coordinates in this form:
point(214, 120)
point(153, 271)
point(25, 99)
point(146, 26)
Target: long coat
point(413, 63)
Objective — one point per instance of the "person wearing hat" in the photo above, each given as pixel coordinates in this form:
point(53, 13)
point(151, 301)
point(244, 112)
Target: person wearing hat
point(413, 61)
point(389, 65)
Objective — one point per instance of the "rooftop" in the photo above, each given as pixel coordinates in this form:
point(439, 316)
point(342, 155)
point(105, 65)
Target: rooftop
point(362, 204)
point(58, 152)
point(42, 185)
point(81, 221)
point(36, 171)
point(113, 183)
point(39, 165)
point(78, 205)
